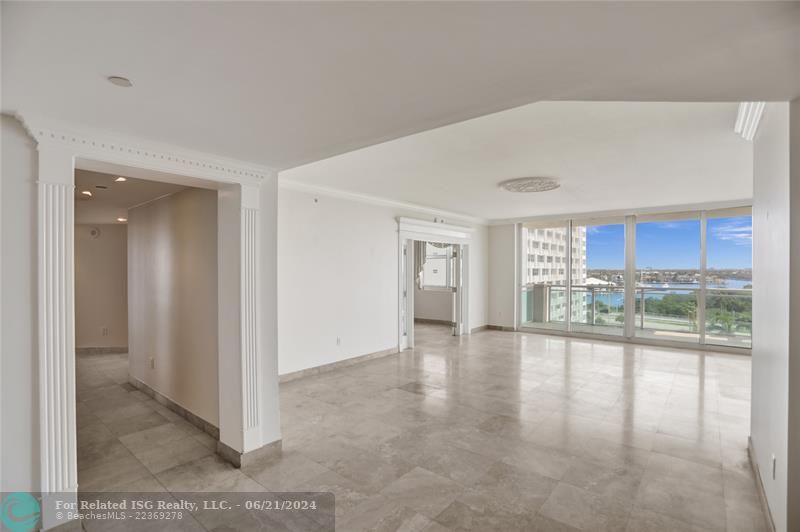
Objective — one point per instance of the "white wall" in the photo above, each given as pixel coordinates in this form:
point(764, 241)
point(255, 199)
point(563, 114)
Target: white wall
point(771, 305)
point(479, 278)
point(337, 278)
point(19, 379)
point(433, 304)
point(793, 447)
point(172, 276)
point(101, 286)
point(502, 245)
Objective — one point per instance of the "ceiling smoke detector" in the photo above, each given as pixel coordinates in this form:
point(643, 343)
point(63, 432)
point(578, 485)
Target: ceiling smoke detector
point(529, 184)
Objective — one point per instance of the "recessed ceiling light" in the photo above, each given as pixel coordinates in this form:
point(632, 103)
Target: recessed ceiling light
point(86, 193)
point(119, 81)
point(120, 179)
point(122, 220)
point(529, 184)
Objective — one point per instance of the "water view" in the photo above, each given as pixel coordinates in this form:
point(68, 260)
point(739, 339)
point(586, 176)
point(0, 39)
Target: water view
point(667, 293)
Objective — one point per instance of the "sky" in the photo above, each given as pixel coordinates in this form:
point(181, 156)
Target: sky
point(673, 245)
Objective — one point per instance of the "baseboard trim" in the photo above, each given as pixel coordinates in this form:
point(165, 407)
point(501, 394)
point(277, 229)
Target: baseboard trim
point(100, 350)
point(762, 495)
point(433, 322)
point(500, 328)
point(325, 368)
point(479, 329)
point(206, 426)
point(265, 454)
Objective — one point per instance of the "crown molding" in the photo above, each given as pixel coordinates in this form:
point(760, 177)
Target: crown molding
point(666, 209)
point(289, 184)
point(747, 119)
point(103, 145)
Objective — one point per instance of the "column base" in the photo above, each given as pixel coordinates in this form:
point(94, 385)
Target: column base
point(266, 453)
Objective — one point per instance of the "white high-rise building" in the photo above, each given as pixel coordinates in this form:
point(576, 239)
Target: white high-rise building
point(546, 268)
point(547, 255)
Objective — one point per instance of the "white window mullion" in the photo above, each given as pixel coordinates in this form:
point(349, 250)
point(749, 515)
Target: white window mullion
point(701, 303)
point(630, 276)
point(568, 250)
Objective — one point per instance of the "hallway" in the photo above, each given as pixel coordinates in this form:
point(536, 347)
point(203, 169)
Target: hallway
point(496, 431)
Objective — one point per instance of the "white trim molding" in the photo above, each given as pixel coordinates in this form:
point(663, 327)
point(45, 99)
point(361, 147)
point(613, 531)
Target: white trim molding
point(243, 347)
point(408, 230)
point(620, 213)
point(748, 118)
point(104, 146)
point(251, 366)
point(56, 331)
point(414, 229)
point(57, 345)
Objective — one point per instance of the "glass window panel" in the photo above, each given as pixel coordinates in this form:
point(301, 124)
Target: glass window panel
point(667, 279)
point(598, 278)
point(543, 299)
point(729, 281)
point(437, 270)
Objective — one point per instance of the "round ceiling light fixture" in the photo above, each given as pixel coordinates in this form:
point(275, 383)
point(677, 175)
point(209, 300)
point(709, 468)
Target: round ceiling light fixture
point(120, 81)
point(529, 184)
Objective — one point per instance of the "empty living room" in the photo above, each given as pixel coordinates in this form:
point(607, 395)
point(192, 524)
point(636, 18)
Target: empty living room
point(446, 266)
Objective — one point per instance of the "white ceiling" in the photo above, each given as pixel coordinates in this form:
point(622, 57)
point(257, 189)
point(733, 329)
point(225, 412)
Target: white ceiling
point(284, 83)
point(106, 205)
point(607, 156)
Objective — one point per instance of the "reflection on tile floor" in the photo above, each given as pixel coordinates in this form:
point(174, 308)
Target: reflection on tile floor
point(497, 431)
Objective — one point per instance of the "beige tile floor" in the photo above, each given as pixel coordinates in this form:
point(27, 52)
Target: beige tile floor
point(496, 431)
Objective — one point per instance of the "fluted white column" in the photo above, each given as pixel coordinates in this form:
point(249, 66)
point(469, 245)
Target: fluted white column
point(59, 470)
point(241, 343)
point(251, 366)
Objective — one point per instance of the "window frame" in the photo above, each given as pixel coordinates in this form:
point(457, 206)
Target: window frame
point(629, 221)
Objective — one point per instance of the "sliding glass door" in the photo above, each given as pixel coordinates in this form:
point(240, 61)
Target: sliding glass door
point(668, 277)
point(729, 279)
point(598, 276)
point(689, 277)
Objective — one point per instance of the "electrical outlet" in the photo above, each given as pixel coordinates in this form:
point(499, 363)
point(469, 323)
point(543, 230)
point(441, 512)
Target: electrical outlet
point(152, 363)
point(105, 331)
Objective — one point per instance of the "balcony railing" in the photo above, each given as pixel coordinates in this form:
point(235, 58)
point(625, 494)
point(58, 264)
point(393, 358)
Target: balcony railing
point(669, 313)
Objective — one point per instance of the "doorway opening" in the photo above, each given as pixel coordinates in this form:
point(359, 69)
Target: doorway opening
point(247, 384)
point(433, 282)
point(146, 334)
point(435, 290)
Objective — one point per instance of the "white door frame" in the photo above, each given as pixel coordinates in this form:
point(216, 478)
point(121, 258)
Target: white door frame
point(248, 375)
point(409, 230)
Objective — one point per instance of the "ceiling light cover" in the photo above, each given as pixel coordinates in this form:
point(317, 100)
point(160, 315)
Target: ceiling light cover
point(748, 118)
point(122, 219)
point(529, 184)
point(120, 179)
point(86, 193)
point(120, 81)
